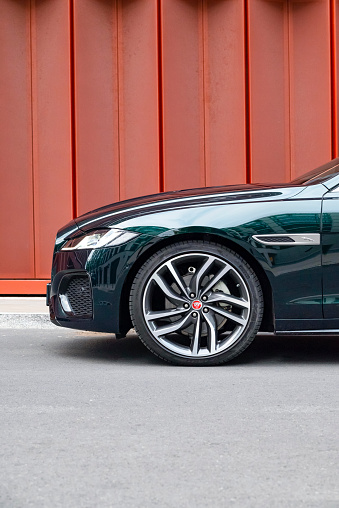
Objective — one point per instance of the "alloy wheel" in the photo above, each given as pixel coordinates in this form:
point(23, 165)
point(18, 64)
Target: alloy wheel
point(196, 305)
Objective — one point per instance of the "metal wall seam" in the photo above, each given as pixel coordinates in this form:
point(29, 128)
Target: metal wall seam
point(31, 49)
point(160, 97)
point(247, 94)
point(73, 106)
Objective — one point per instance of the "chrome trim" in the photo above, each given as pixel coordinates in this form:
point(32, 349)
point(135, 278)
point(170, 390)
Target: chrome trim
point(297, 239)
point(65, 303)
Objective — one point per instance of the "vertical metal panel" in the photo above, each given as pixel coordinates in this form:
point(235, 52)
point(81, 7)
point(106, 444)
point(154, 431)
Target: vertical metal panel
point(124, 127)
point(269, 90)
point(16, 189)
point(203, 93)
point(96, 104)
point(52, 171)
point(138, 97)
point(116, 101)
point(310, 85)
point(290, 88)
point(224, 91)
point(183, 121)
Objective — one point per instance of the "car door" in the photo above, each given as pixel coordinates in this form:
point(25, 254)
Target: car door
point(330, 255)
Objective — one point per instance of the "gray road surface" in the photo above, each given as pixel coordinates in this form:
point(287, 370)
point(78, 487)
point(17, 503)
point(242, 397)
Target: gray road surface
point(87, 421)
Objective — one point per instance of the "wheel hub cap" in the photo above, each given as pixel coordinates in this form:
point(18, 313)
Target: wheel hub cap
point(196, 305)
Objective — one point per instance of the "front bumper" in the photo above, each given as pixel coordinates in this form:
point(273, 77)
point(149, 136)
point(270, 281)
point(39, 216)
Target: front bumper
point(90, 288)
point(75, 303)
point(83, 294)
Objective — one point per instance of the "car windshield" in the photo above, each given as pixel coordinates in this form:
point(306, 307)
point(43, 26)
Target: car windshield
point(319, 174)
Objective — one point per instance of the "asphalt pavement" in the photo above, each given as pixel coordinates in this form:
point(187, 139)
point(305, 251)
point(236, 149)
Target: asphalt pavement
point(91, 421)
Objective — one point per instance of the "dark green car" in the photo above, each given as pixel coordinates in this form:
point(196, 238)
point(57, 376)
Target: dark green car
point(199, 272)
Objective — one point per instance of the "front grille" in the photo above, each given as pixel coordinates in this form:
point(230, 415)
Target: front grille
point(79, 295)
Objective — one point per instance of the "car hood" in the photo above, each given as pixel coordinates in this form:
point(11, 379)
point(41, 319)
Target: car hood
point(115, 213)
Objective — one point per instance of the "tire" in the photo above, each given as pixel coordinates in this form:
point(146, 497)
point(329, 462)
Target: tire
point(196, 303)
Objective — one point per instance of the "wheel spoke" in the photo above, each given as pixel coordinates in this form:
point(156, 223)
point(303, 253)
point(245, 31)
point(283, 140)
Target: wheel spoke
point(163, 314)
point(216, 279)
point(196, 337)
point(211, 332)
point(173, 327)
point(177, 277)
point(224, 298)
point(229, 315)
point(195, 282)
point(167, 290)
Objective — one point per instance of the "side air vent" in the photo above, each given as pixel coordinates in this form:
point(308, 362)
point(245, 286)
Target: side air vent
point(275, 239)
point(288, 239)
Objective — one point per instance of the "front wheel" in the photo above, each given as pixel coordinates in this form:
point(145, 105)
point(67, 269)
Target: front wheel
point(196, 303)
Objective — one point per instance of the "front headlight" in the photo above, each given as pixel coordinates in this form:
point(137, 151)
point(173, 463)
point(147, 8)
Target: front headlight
point(100, 238)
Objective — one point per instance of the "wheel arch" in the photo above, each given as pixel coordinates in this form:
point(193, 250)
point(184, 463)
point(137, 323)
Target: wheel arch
point(267, 324)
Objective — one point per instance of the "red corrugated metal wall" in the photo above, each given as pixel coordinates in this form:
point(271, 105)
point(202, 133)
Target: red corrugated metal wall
point(103, 100)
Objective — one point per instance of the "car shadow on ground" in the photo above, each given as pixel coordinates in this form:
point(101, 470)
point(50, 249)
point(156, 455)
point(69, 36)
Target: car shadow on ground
point(264, 349)
point(291, 349)
point(105, 347)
